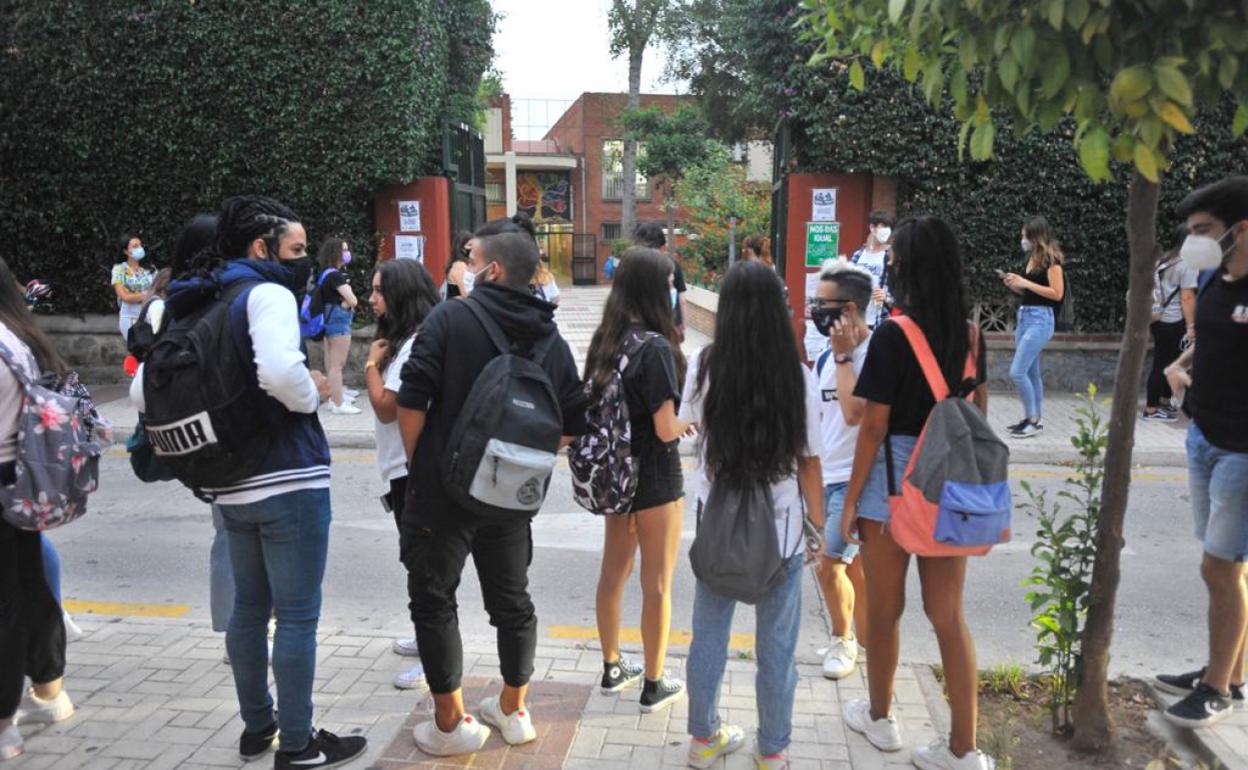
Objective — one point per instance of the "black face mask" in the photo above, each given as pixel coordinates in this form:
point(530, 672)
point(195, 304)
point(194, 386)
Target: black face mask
point(824, 317)
point(300, 271)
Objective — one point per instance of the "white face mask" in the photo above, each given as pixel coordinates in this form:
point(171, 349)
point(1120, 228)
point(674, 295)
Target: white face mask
point(1200, 252)
point(470, 278)
point(1025, 245)
point(883, 234)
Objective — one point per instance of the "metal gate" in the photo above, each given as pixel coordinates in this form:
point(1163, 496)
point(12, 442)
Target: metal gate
point(783, 142)
point(584, 259)
point(463, 162)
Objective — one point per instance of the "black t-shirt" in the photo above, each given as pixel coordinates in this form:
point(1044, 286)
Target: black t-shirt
point(447, 356)
point(678, 283)
point(891, 375)
point(649, 380)
point(1031, 298)
point(1220, 370)
point(329, 289)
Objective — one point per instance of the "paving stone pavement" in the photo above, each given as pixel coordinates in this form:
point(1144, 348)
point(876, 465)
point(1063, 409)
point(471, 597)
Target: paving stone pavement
point(154, 693)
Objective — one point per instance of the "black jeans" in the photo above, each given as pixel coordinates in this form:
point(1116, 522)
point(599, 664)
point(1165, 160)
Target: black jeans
point(1167, 339)
point(434, 550)
point(32, 631)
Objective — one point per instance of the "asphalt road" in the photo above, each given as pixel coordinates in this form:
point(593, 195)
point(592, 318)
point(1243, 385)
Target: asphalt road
point(147, 544)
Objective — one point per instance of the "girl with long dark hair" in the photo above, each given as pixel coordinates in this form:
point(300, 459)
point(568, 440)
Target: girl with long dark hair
point(453, 281)
point(638, 314)
point(340, 302)
point(130, 280)
point(1041, 289)
point(927, 285)
point(757, 408)
point(402, 296)
point(32, 627)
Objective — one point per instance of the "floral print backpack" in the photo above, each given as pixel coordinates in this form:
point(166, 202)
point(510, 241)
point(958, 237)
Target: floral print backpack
point(58, 463)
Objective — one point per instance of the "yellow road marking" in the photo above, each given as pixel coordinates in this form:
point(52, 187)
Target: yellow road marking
point(633, 636)
point(126, 609)
point(1065, 474)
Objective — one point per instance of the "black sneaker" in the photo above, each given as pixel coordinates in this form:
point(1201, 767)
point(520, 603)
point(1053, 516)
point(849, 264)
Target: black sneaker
point(660, 693)
point(1202, 707)
point(252, 746)
point(620, 674)
point(1017, 426)
point(1028, 430)
point(324, 750)
point(1161, 415)
point(1179, 684)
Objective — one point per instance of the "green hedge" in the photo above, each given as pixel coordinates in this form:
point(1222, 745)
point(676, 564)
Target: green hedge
point(122, 116)
point(889, 130)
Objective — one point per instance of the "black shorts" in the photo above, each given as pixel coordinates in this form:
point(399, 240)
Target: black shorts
point(660, 478)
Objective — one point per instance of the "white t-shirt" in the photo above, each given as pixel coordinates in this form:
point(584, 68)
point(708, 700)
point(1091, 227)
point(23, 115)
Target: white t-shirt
point(786, 495)
point(874, 262)
point(839, 439)
point(1168, 286)
point(391, 459)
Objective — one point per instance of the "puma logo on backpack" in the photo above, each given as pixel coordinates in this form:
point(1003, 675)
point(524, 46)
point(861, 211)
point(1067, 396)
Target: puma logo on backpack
point(604, 471)
point(955, 494)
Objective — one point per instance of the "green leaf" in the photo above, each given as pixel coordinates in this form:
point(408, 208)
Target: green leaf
point(1056, 9)
point(1123, 146)
point(957, 87)
point(1175, 118)
point(1129, 85)
point(1146, 162)
point(1240, 124)
point(1077, 13)
point(1227, 71)
point(895, 9)
point(981, 141)
point(1150, 130)
point(1057, 72)
point(1007, 70)
point(911, 63)
point(966, 128)
point(1094, 154)
point(857, 78)
point(1023, 44)
point(1173, 84)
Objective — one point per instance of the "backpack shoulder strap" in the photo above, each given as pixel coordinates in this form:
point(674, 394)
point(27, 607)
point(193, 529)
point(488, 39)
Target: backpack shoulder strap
point(325, 274)
point(1205, 279)
point(10, 360)
point(492, 329)
point(927, 360)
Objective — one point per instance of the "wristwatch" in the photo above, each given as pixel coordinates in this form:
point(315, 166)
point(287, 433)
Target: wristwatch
point(843, 358)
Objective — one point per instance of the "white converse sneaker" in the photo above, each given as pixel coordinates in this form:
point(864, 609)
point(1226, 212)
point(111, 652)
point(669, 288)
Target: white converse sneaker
point(841, 658)
point(517, 727)
point(467, 737)
point(36, 709)
point(406, 647)
point(727, 739)
point(884, 734)
point(411, 679)
point(937, 756)
point(11, 745)
point(346, 408)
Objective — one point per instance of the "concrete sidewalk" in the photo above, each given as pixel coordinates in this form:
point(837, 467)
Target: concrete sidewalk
point(1157, 444)
point(153, 693)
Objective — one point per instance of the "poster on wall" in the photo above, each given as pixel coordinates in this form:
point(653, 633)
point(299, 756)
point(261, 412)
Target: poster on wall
point(409, 216)
point(822, 241)
point(812, 288)
point(823, 204)
point(410, 247)
point(546, 196)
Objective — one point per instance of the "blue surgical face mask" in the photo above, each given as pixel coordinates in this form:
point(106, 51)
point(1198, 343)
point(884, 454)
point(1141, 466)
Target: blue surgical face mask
point(138, 253)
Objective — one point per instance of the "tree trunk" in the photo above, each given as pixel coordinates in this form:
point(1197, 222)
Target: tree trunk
point(1093, 729)
point(669, 204)
point(628, 217)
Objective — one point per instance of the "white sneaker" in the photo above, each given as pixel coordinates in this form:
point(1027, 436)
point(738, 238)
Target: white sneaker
point(350, 393)
point(517, 727)
point(406, 647)
point(467, 737)
point(11, 745)
point(884, 734)
point(36, 709)
point(841, 658)
point(726, 740)
point(72, 631)
point(937, 756)
point(346, 408)
point(411, 679)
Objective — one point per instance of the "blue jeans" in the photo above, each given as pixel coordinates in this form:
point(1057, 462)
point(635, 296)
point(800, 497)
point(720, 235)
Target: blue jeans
point(220, 574)
point(1218, 480)
point(834, 546)
point(338, 321)
point(1032, 332)
point(777, 617)
point(278, 548)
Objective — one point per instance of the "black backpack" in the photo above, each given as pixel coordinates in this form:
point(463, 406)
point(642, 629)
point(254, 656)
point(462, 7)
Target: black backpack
point(503, 446)
point(141, 336)
point(203, 412)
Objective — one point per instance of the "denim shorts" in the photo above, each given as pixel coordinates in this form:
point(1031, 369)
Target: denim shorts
point(834, 546)
point(873, 504)
point(338, 321)
point(1219, 485)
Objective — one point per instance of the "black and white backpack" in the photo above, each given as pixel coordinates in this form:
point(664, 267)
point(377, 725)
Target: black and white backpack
point(604, 471)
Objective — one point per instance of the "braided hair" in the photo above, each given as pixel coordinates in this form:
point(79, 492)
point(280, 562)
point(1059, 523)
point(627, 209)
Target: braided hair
point(243, 219)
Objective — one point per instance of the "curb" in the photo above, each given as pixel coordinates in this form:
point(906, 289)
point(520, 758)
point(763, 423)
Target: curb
point(1205, 746)
point(934, 696)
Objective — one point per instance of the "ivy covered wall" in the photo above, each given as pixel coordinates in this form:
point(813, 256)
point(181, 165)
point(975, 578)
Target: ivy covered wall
point(132, 116)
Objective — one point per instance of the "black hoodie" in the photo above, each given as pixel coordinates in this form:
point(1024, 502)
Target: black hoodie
point(449, 353)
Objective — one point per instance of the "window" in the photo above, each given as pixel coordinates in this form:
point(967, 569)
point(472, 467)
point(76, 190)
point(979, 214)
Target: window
point(611, 231)
point(495, 192)
point(613, 172)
